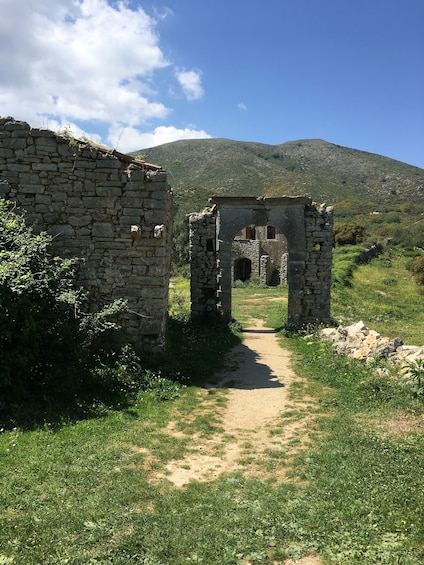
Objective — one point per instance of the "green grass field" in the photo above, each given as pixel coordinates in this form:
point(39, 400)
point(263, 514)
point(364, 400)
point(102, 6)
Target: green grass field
point(82, 490)
point(385, 297)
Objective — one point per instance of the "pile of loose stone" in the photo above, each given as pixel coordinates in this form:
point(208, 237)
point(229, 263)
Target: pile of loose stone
point(360, 342)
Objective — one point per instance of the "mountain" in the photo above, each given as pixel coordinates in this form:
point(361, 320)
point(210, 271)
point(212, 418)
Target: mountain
point(201, 168)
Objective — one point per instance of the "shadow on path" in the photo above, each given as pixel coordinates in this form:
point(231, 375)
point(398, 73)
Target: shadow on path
point(254, 364)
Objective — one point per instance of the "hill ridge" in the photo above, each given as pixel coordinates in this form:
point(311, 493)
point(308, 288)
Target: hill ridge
point(327, 172)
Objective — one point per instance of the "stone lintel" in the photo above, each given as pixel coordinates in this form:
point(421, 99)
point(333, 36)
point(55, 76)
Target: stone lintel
point(253, 201)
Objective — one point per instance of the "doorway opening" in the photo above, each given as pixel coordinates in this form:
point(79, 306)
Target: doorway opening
point(242, 269)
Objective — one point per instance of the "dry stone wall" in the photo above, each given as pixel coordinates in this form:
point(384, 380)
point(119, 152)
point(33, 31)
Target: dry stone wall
point(360, 342)
point(112, 211)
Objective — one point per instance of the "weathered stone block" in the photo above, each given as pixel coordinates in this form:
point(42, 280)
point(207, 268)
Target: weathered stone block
point(44, 167)
point(108, 191)
point(32, 188)
point(79, 221)
point(103, 230)
point(61, 229)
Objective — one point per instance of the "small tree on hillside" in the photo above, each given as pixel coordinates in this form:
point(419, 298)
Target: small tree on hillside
point(348, 234)
point(417, 269)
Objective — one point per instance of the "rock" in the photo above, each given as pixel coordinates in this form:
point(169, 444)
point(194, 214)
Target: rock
point(360, 342)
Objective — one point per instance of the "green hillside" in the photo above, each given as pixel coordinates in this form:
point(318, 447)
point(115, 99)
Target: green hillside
point(201, 168)
point(376, 196)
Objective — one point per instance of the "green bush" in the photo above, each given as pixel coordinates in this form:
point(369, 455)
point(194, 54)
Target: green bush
point(348, 234)
point(44, 336)
point(410, 235)
point(123, 373)
point(417, 269)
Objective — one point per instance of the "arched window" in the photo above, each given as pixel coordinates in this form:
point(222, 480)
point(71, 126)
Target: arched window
point(270, 232)
point(250, 232)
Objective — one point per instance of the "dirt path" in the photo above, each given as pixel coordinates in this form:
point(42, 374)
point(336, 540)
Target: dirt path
point(261, 426)
point(262, 423)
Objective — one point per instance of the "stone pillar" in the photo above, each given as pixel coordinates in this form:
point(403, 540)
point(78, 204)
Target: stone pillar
point(283, 271)
point(224, 280)
point(264, 270)
point(203, 264)
point(319, 248)
point(296, 284)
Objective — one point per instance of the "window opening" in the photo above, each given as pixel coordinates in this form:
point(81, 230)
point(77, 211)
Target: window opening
point(242, 269)
point(270, 232)
point(250, 232)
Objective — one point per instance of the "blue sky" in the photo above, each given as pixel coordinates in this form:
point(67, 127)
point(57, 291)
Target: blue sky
point(137, 73)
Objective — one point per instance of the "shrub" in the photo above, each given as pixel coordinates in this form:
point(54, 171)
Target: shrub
point(417, 269)
point(348, 234)
point(123, 373)
point(409, 235)
point(43, 333)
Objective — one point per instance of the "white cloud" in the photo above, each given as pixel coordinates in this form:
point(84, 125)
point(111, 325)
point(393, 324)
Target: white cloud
point(242, 106)
point(127, 139)
point(191, 84)
point(86, 62)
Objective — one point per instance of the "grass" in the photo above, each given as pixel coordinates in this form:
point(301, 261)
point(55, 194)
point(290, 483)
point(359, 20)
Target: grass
point(364, 480)
point(266, 303)
point(384, 296)
point(85, 489)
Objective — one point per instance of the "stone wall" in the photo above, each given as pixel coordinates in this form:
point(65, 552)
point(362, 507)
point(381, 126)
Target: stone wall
point(319, 250)
point(247, 249)
point(266, 257)
point(112, 211)
point(360, 342)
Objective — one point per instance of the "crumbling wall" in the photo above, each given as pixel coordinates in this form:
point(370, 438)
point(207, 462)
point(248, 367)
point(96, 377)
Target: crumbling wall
point(112, 211)
point(360, 342)
point(317, 276)
point(203, 264)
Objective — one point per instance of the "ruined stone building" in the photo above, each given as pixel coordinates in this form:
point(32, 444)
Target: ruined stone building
point(115, 213)
point(308, 233)
point(112, 211)
point(260, 252)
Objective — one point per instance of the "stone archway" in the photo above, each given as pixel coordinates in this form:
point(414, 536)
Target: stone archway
point(309, 233)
